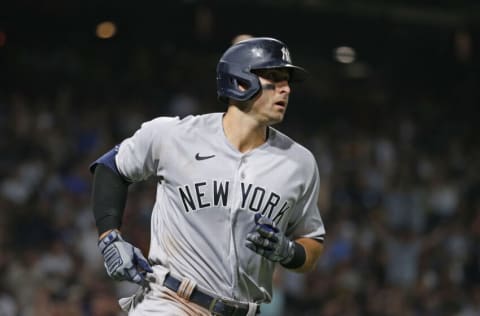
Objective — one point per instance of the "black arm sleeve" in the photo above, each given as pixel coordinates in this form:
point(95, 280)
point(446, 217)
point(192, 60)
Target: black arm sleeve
point(109, 195)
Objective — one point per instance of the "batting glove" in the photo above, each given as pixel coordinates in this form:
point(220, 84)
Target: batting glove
point(267, 240)
point(123, 261)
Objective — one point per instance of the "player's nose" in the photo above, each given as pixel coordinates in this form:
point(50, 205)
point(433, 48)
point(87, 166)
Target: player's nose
point(284, 86)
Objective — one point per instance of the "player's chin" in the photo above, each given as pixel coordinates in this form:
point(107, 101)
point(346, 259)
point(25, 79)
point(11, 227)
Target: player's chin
point(277, 117)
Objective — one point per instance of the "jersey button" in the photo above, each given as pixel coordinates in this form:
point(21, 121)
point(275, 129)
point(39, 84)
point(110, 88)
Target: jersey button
point(242, 175)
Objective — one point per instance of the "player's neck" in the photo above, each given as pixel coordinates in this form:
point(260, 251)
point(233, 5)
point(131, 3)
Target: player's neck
point(243, 132)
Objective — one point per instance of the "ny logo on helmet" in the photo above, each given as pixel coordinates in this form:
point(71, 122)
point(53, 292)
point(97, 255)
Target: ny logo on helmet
point(286, 55)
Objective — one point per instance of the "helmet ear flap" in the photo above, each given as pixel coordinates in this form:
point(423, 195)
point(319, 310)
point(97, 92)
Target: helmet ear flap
point(229, 77)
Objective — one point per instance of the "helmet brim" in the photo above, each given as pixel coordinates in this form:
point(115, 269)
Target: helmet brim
point(297, 73)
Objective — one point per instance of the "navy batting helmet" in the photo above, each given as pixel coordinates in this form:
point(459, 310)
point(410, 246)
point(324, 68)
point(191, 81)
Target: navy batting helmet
point(236, 65)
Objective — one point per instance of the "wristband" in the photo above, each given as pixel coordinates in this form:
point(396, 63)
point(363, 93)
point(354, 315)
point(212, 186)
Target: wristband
point(107, 240)
point(298, 259)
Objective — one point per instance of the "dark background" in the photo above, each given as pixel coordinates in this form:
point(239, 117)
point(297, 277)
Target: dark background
point(404, 46)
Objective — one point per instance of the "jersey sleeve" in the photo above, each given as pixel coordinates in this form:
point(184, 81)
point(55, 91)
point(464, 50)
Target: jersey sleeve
point(138, 156)
point(306, 220)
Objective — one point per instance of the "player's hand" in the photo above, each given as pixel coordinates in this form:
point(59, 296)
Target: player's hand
point(123, 261)
point(267, 240)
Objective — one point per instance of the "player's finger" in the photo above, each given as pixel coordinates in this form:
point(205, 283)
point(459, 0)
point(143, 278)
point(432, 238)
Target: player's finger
point(133, 275)
point(257, 239)
point(267, 232)
point(254, 248)
point(257, 217)
point(141, 261)
point(260, 241)
point(250, 245)
point(251, 237)
point(267, 226)
point(265, 221)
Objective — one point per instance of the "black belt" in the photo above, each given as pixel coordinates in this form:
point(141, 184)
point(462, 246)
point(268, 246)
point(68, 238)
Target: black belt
point(215, 305)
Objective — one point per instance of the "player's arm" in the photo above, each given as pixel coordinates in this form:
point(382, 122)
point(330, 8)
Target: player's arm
point(123, 261)
point(109, 193)
point(313, 249)
point(309, 249)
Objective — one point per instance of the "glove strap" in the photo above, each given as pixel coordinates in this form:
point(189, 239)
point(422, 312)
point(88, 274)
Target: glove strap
point(107, 240)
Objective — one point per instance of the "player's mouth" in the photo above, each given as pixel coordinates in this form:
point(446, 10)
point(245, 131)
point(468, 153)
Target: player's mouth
point(282, 103)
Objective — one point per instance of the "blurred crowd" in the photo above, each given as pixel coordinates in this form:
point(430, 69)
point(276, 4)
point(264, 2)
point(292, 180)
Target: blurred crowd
point(400, 188)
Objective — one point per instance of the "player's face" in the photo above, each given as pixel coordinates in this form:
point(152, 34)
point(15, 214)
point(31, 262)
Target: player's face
point(272, 101)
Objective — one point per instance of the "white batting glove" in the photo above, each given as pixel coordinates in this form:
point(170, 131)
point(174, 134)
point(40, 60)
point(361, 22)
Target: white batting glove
point(123, 261)
point(267, 240)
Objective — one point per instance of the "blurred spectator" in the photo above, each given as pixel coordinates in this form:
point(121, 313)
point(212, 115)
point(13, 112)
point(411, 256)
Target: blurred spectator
point(8, 305)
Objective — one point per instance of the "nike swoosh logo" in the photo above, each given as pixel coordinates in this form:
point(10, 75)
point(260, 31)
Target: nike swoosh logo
point(198, 157)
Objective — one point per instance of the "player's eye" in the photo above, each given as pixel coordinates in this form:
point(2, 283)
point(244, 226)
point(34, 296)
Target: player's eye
point(274, 75)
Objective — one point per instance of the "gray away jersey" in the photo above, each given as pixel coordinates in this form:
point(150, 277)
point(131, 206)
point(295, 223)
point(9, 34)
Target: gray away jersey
point(209, 193)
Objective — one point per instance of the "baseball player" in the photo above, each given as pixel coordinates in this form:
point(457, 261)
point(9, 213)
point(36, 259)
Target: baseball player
point(235, 196)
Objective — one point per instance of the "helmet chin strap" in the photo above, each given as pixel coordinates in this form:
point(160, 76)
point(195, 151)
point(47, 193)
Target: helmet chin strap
point(268, 86)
